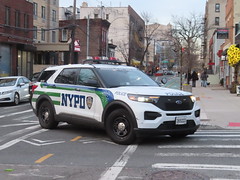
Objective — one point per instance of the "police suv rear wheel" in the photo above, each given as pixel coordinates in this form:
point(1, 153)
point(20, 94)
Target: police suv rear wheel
point(46, 117)
point(119, 127)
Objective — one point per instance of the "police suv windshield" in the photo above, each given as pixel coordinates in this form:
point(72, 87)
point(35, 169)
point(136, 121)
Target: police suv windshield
point(116, 77)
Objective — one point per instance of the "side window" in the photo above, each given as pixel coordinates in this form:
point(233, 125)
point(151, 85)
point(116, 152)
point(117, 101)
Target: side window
point(45, 75)
point(67, 76)
point(87, 78)
point(26, 81)
point(20, 81)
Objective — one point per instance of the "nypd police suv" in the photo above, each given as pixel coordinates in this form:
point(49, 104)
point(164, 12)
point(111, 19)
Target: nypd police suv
point(122, 98)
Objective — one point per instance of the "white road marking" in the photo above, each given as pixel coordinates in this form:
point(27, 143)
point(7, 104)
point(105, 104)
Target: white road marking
point(19, 124)
point(43, 143)
point(215, 135)
point(112, 172)
point(13, 107)
point(197, 166)
point(16, 113)
point(218, 131)
point(15, 141)
point(24, 117)
point(19, 132)
point(201, 146)
point(219, 155)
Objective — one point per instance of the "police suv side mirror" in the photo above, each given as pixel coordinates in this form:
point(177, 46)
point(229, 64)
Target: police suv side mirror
point(92, 82)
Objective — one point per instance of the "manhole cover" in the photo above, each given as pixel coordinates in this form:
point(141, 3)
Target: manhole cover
point(177, 175)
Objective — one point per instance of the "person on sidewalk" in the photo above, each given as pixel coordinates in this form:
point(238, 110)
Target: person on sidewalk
point(194, 78)
point(204, 77)
point(188, 77)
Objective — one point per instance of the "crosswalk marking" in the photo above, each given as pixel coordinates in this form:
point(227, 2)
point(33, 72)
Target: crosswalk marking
point(197, 166)
point(199, 146)
point(219, 155)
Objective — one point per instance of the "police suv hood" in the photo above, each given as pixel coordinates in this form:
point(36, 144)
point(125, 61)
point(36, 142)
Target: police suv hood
point(151, 90)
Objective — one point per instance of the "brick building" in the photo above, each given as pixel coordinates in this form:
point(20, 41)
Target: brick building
point(92, 37)
point(16, 37)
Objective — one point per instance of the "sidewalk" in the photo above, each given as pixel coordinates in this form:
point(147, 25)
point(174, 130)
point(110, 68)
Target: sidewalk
point(219, 108)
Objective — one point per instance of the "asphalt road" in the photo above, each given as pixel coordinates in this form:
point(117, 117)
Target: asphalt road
point(71, 152)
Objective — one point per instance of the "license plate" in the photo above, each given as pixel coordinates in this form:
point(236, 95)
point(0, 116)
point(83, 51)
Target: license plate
point(181, 120)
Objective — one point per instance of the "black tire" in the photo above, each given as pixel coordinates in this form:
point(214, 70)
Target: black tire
point(119, 127)
point(46, 116)
point(16, 99)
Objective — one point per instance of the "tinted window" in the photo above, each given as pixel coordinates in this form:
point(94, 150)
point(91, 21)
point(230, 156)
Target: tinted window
point(45, 75)
point(67, 76)
point(87, 78)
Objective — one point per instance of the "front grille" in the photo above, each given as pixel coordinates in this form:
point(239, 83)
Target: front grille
point(175, 103)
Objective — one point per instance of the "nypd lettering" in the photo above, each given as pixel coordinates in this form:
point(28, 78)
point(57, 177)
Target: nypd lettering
point(76, 101)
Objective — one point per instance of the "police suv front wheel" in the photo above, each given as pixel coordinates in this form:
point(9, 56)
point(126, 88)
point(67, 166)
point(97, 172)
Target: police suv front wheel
point(46, 116)
point(119, 127)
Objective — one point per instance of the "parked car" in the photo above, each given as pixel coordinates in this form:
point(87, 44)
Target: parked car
point(122, 98)
point(14, 89)
point(159, 73)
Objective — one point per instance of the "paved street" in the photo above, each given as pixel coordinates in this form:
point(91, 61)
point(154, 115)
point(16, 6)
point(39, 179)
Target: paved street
point(82, 152)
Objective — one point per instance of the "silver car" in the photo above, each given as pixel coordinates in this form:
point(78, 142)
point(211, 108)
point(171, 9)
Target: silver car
point(14, 89)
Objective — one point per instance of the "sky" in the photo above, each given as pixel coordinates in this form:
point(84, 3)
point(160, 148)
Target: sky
point(161, 11)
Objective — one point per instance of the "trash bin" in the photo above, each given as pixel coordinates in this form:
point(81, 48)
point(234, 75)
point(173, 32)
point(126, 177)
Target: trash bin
point(187, 87)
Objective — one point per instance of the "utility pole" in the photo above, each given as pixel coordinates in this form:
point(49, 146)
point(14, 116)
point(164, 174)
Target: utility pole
point(88, 37)
point(73, 33)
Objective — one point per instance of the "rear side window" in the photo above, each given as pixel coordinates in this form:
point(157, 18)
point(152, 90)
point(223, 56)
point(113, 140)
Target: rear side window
point(67, 76)
point(45, 75)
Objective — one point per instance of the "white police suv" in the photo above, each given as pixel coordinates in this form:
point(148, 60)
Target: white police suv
point(122, 98)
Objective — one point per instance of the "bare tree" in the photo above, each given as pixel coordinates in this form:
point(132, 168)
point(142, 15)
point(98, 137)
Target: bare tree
point(123, 48)
point(149, 33)
point(188, 32)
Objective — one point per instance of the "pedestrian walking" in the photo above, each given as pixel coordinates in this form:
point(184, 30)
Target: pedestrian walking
point(194, 78)
point(188, 76)
point(204, 77)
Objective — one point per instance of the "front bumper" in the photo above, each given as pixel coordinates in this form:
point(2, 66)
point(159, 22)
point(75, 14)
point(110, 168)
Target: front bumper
point(170, 128)
point(6, 98)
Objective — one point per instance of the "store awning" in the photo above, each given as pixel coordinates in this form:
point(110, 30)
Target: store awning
point(52, 46)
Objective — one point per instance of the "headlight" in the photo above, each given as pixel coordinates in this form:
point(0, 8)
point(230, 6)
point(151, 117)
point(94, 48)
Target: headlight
point(7, 92)
point(193, 98)
point(143, 98)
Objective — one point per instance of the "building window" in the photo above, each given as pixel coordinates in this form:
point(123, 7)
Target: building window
point(42, 34)
point(53, 36)
point(35, 9)
point(34, 32)
point(107, 16)
point(26, 21)
point(217, 7)
point(43, 14)
point(17, 18)
point(95, 16)
point(217, 21)
point(64, 35)
point(7, 16)
point(54, 15)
